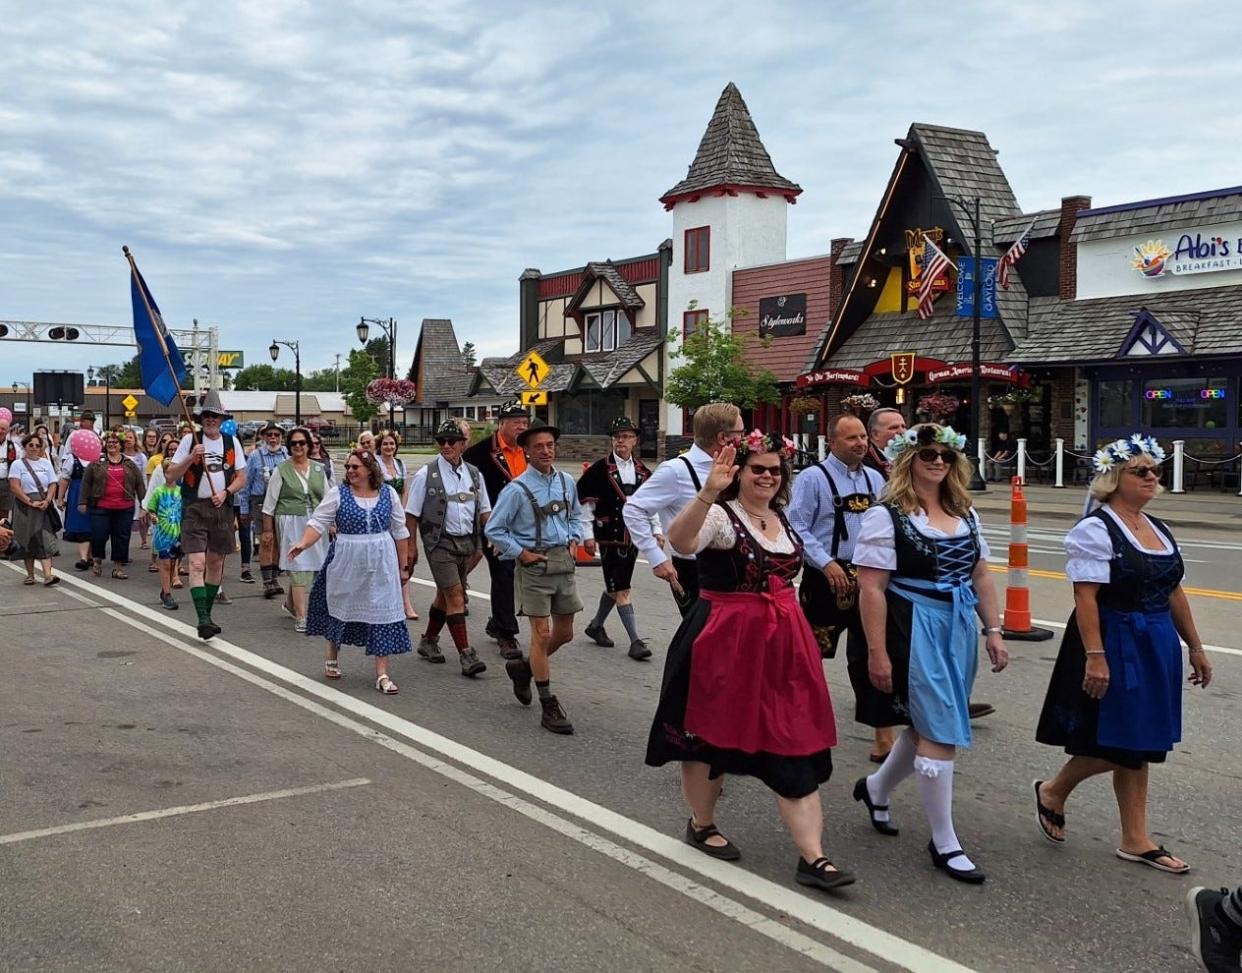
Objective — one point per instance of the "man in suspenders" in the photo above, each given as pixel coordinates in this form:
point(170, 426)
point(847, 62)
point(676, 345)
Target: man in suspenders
point(674, 484)
point(535, 523)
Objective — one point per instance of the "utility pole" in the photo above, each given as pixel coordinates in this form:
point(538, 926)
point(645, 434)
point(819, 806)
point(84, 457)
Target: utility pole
point(338, 372)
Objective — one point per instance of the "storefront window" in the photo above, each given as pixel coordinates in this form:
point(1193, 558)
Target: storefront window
point(1185, 403)
point(1115, 403)
point(589, 413)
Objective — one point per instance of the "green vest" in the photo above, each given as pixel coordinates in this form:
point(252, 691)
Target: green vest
point(294, 499)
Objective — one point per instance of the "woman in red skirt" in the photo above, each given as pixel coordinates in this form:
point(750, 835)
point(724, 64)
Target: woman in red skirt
point(744, 689)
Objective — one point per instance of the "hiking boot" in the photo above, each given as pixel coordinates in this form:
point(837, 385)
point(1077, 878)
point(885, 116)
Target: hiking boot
point(509, 649)
point(429, 649)
point(519, 671)
point(1215, 941)
point(639, 650)
point(168, 602)
point(597, 635)
point(247, 577)
point(471, 664)
point(554, 717)
point(272, 588)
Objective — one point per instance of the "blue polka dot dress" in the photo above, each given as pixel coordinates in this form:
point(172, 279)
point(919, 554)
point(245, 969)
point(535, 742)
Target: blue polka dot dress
point(361, 557)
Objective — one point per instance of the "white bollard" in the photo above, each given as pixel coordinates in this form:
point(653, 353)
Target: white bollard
point(1022, 461)
point(1179, 466)
point(823, 446)
point(1060, 481)
point(982, 456)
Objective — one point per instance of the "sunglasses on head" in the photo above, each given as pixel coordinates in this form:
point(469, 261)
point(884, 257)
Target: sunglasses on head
point(930, 455)
point(1143, 472)
point(759, 469)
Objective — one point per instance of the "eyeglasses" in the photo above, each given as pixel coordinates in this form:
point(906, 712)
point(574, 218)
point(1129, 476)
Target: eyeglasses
point(758, 469)
point(930, 455)
point(34, 444)
point(1143, 472)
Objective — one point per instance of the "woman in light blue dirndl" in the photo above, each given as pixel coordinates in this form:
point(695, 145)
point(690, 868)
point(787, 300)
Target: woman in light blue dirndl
point(923, 588)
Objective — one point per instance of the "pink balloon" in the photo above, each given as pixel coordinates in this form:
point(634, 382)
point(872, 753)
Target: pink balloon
point(5, 415)
point(85, 445)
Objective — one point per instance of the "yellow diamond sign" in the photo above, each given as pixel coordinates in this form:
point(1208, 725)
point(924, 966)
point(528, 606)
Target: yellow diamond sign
point(533, 369)
point(130, 403)
point(534, 397)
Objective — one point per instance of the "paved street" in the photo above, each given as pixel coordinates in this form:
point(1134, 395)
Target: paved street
point(442, 827)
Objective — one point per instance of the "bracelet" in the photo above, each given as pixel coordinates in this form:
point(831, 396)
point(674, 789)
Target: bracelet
point(1094, 652)
point(993, 630)
point(701, 500)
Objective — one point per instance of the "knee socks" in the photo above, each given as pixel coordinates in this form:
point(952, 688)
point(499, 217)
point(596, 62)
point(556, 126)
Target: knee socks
point(897, 766)
point(1231, 906)
point(435, 621)
point(212, 590)
point(936, 788)
point(457, 629)
point(200, 605)
point(626, 612)
point(605, 606)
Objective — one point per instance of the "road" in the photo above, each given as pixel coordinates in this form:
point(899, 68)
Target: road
point(444, 827)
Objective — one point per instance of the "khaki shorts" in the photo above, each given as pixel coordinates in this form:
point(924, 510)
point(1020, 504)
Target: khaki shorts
point(547, 587)
point(206, 529)
point(450, 560)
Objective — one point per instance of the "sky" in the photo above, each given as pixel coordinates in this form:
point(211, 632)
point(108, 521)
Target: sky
point(281, 168)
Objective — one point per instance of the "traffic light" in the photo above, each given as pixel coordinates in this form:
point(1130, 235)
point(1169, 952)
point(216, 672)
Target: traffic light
point(4, 330)
point(63, 334)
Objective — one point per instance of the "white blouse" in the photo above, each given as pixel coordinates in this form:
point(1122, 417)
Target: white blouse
point(41, 466)
point(876, 547)
point(1090, 549)
point(717, 532)
point(325, 514)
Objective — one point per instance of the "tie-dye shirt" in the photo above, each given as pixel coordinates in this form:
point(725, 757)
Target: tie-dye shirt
point(165, 502)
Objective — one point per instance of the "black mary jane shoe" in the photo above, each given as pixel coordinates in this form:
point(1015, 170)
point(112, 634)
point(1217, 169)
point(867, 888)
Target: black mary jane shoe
point(971, 877)
point(862, 794)
point(697, 837)
point(822, 874)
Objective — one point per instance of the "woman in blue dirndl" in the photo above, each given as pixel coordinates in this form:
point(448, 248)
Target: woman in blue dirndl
point(1114, 702)
point(77, 524)
point(356, 598)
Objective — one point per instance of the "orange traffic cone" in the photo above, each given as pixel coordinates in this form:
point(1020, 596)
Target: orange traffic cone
point(1018, 590)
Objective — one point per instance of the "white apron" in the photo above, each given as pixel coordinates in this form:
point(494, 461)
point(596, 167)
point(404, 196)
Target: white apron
point(289, 528)
point(363, 582)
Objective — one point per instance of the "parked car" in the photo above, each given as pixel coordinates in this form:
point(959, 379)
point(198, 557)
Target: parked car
point(250, 428)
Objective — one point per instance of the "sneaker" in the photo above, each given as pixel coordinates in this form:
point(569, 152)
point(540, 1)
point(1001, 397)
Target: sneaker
point(509, 649)
point(519, 671)
point(300, 626)
point(168, 602)
point(554, 717)
point(597, 635)
point(639, 650)
point(471, 664)
point(247, 577)
point(1215, 941)
point(429, 649)
point(223, 599)
point(287, 609)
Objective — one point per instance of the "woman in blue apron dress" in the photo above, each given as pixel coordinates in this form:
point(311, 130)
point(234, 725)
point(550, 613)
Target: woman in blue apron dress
point(77, 524)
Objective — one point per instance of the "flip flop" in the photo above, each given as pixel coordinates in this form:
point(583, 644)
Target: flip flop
point(1152, 860)
point(1042, 812)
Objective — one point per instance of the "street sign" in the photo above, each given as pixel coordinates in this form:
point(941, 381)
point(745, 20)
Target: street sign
point(130, 404)
point(533, 370)
point(534, 397)
point(131, 414)
point(966, 288)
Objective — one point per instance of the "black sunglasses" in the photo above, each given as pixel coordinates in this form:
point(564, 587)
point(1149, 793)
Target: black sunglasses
point(930, 455)
point(1143, 472)
point(298, 442)
point(758, 469)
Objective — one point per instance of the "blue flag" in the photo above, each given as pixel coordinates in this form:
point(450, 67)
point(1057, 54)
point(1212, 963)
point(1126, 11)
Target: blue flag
point(162, 366)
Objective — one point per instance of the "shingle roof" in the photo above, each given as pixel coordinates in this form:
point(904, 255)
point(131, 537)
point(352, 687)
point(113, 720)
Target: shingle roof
point(965, 165)
point(442, 372)
point(609, 368)
point(942, 336)
point(849, 253)
point(1046, 222)
point(500, 375)
point(605, 369)
point(1158, 214)
point(1204, 322)
point(731, 153)
point(607, 271)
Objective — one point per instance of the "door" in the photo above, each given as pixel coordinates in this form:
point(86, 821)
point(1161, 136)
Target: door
point(649, 426)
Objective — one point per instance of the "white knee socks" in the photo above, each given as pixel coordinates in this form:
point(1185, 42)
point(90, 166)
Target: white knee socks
point(936, 788)
point(897, 766)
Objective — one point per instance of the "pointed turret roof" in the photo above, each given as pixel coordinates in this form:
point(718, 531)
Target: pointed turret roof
point(731, 156)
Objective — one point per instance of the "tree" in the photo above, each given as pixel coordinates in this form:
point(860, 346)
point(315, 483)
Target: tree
point(354, 379)
point(265, 378)
point(469, 354)
point(320, 380)
point(377, 348)
point(715, 369)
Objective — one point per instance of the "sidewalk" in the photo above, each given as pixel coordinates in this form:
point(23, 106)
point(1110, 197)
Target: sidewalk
point(1202, 509)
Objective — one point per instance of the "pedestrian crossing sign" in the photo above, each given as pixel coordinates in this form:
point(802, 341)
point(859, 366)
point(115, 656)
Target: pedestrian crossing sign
point(534, 397)
point(533, 369)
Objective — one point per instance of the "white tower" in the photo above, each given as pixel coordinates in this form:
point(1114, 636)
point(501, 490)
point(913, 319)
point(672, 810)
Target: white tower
point(728, 212)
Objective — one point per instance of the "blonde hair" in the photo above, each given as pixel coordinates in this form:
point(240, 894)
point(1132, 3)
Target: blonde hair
point(1104, 485)
point(954, 492)
point(711, 420)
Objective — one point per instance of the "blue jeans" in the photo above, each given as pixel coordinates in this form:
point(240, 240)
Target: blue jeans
point(115, 526)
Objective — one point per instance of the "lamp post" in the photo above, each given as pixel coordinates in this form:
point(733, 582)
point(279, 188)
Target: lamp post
point(389, 328)
point(274, 351)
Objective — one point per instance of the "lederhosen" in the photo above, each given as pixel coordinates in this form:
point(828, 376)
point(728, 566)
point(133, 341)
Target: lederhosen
point(828, 613)
point(434, 512)
point(688, 567)
point(617, 550)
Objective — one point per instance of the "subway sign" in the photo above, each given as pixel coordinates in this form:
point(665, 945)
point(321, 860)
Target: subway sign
point(224, 359)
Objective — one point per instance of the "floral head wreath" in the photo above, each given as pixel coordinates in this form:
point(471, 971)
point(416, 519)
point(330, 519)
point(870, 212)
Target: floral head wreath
point(758, 441)
point(923, 436)
point(1123, 450)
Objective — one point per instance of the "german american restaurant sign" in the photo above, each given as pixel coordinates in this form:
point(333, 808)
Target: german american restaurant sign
point(783, 316)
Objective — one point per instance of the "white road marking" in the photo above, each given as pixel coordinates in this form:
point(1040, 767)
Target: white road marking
point(817, 914)
point(1223, 649)
point(170, 812)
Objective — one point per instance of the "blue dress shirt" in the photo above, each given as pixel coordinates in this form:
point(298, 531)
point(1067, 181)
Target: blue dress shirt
point(812, 514)
point(511, 528)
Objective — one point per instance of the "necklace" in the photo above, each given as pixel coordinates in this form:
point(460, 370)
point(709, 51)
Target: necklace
point(755, 518)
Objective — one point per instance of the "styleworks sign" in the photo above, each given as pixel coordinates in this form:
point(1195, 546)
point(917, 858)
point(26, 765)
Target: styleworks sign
point(783, 316)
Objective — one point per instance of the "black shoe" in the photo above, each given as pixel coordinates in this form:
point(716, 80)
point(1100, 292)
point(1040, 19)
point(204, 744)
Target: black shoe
point(247, 577)
point(554, 717)
point(429, 649)
point(519, 671)
point(697, 838)
point(491, 631)
point(206, 630)
point(471, 664)
point(509, 649)
point(1215, 941)
point(819, 875)
point(862, 794)
point(981, 709)
point(639, 650)
point(597, 635)
point(81, 565)
point(971, 877)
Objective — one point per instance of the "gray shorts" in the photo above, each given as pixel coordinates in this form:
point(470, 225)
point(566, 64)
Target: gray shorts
point(450, 560)
point(547, 587)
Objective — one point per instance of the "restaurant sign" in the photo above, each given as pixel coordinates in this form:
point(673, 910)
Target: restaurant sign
point(783, 316)
point(988, 370)
point(833, 376)
point(1197, 252)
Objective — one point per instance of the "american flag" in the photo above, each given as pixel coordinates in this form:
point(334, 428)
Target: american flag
point(935, 263)
point(1012, 256)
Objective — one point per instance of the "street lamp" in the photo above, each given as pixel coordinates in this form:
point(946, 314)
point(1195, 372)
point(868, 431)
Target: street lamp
point(389, 328)
point(106, 374)
point(274, 351)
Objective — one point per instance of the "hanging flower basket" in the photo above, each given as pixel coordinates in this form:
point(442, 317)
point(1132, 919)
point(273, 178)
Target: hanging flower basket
point(804, 405)
point(860, 404)
point(1012, 397)
point(938, 406)
point(391, 391)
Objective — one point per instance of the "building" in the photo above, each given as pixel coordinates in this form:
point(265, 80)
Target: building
point(443, 381)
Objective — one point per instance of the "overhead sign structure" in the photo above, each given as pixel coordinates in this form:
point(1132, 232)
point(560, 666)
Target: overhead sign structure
point(533, 369)
point(534, 397)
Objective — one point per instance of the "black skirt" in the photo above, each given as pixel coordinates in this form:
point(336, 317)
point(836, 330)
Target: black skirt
point(1070, 718)
point(875, 708)
point(790, 777)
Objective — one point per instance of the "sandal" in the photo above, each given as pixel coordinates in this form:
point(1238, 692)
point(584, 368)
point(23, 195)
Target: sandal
point(1152, 859)
point(1053, 818)
point(697, 837)
point(52, 582)
point(332, 669)
point(153, 568)
point(119, 575)
point(386, 686)
point(178, 583)
point(29, 580)
point(97, 568)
